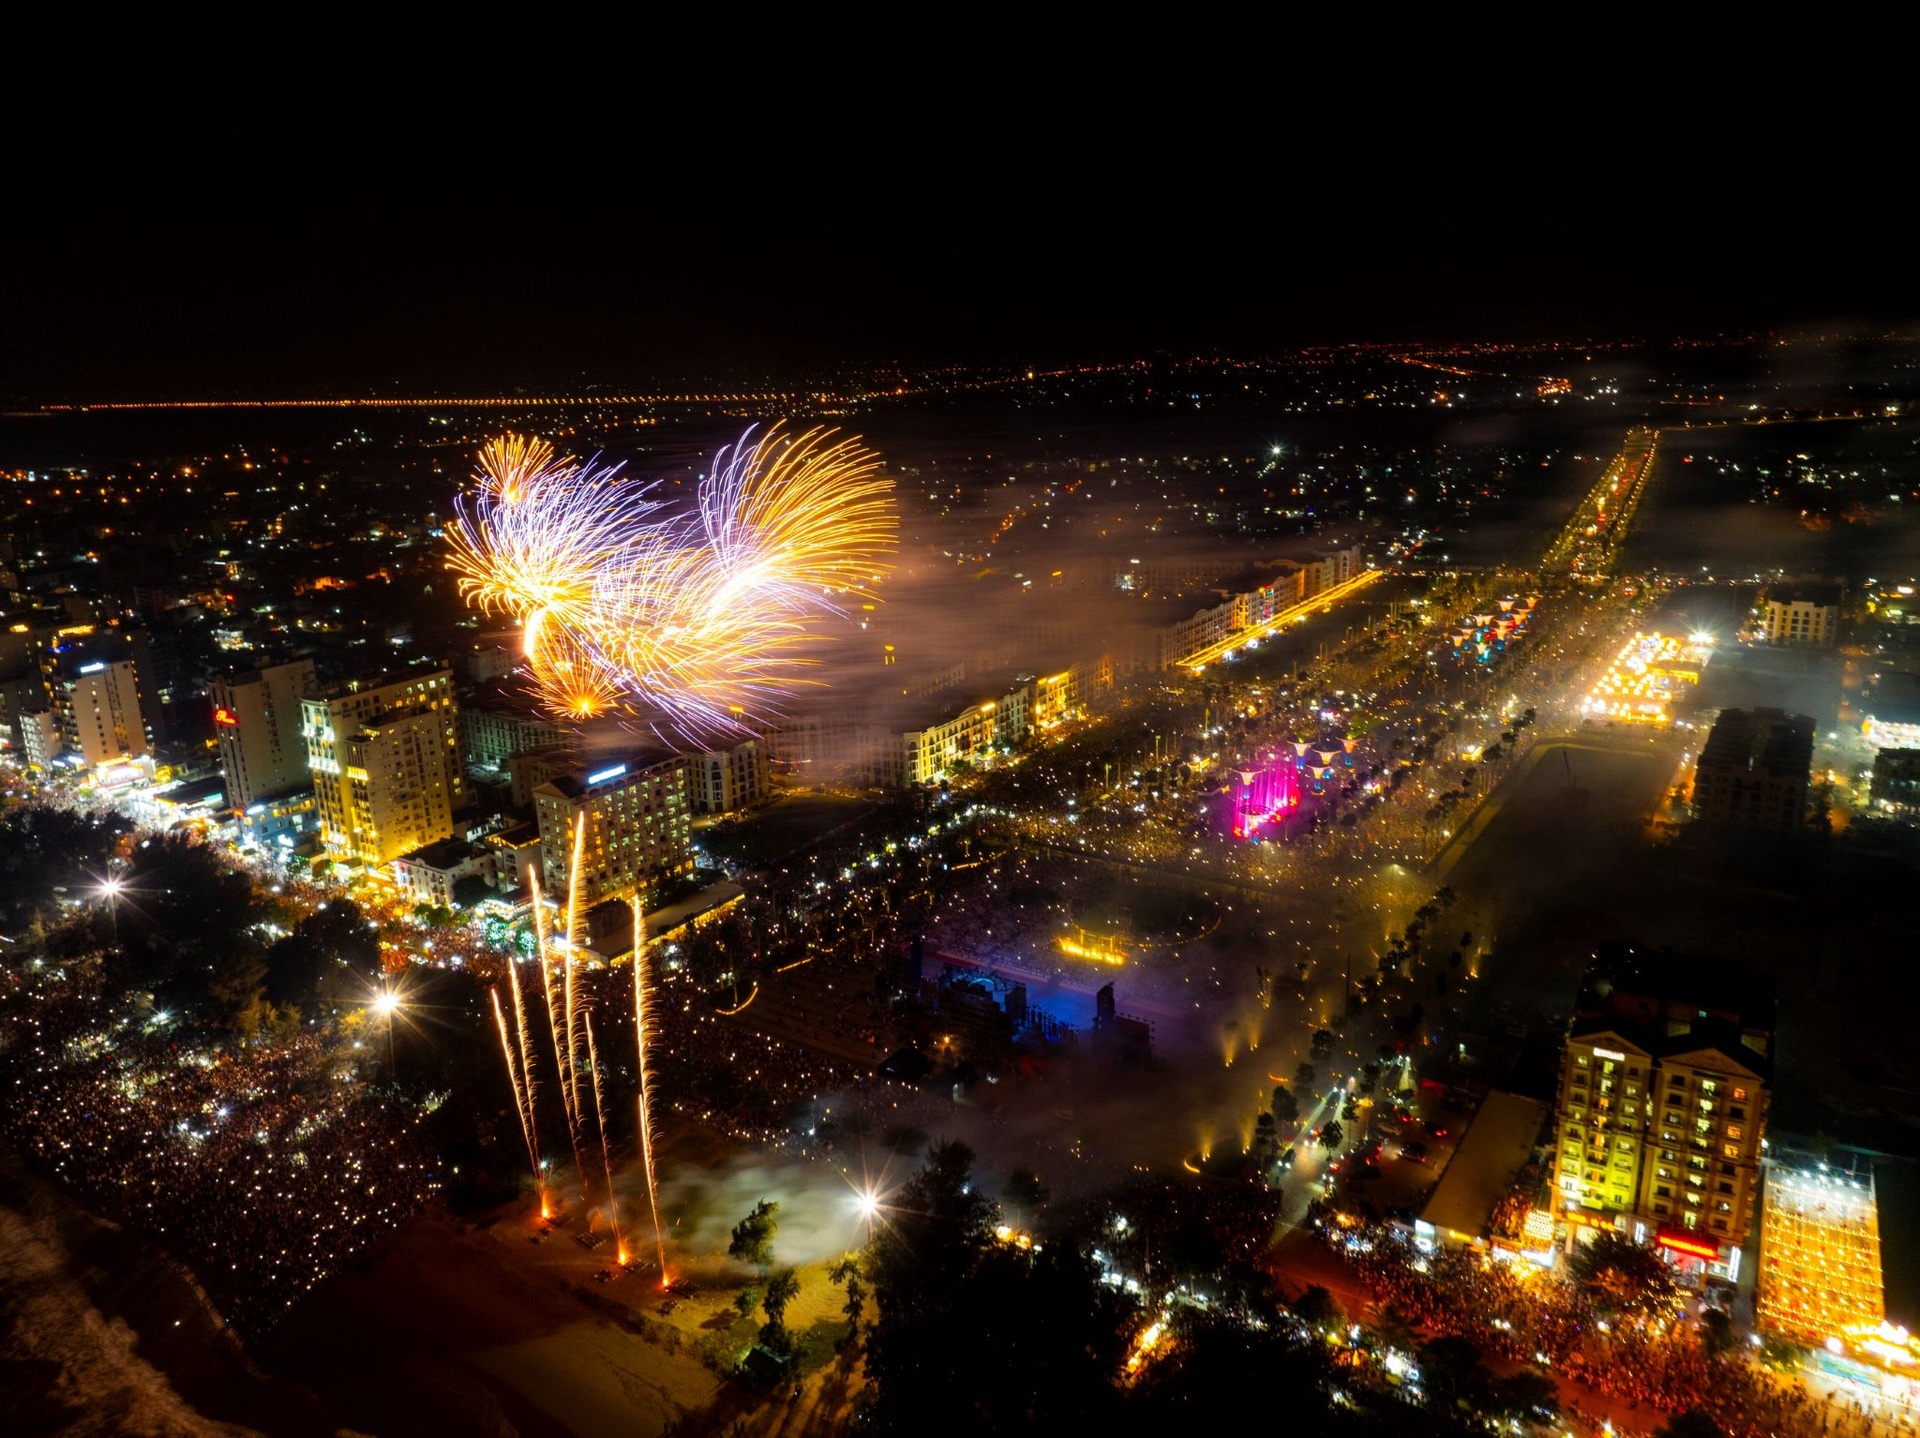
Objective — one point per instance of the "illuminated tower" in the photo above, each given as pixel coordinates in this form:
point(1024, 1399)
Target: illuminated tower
point(256, 718)
point(1819, 1255)
point(638, 828)
point(385, 756)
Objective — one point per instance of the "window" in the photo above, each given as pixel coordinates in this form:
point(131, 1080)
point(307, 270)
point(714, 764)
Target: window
point(1734, 1130)
point(1739, 1095)
point(1732, 1150)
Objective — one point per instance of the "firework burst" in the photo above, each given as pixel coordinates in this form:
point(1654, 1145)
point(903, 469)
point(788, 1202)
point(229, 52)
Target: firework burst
point(691, 622)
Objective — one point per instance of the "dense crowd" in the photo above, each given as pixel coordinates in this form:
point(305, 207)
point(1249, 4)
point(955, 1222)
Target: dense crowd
point(266, 1166)
point(1656, 1363)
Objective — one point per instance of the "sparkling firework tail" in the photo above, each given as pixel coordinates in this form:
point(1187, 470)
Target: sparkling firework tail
point(642, 1022)
point(526, 1075)
point(568, 992)
point(563, 1051)
point(606, 1155)
point(519, 1097)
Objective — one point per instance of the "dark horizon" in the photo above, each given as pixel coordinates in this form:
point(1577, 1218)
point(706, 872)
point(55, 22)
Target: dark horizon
point(196, 262)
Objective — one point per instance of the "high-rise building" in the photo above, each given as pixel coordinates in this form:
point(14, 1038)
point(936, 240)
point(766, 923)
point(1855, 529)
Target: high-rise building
point(637, 828)
point(98, 705)
point(727, 780)
point(385, 758)
point(1754, 769)
point(40, 742)
point(498, 727)
point(256, 718)
point(1819, 1255)
point(1802, 617)
point(1896, 781)
point(1662, 1105)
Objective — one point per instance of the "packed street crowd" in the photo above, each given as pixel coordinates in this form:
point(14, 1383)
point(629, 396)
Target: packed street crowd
point(266, 1167)
point(1655, 1362)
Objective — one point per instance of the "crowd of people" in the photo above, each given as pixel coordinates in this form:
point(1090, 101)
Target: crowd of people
point(266, 1167)
point(1654, 1362)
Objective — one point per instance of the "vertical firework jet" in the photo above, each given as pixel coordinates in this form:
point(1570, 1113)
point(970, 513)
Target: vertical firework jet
point(642, 1023)
point(560, 1025)
point(522, 1100)
point(606, 1151)
point(526, 1079)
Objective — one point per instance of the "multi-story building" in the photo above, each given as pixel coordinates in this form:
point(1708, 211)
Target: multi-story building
point(1801, 617)
point(40, 742)
point(975, 737)
point(385, 758)
point(633, 821)
point(1896, 781)
point(495, 729)
point(1754, 769)
point(724, 781)
point(97, 702)
point(1819, 1255)
point(429, 875)
point(1662, 1107)
point(256, 719)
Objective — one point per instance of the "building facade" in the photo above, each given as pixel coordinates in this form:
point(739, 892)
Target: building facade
point(1754, 769)
point(725, 781)
point(385, 759)
point(1804, 619)
point(1819, 1255)
point(490, 736)
point(256, 720)
point(1661, 1110)
point(98, 704)
point(1896, 781)
point(634, 822)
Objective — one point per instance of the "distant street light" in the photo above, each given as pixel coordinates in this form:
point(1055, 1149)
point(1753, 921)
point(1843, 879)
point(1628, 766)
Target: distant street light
point(386, 1002)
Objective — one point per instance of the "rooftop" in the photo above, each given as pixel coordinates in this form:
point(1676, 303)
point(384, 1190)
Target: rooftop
point(1497, 1144)
point(1767, 741)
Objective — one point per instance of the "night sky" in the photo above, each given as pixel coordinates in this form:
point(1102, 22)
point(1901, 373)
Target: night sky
point(221, 255)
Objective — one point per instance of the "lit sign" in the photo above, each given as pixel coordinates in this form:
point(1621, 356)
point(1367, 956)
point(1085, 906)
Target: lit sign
point(605, 774)
point(1697, 1248)
point(93, 668)
point(224, 716)
point(1609, 1054)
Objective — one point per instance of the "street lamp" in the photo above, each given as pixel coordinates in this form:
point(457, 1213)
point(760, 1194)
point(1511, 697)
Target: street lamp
point(111, 888)
point(386, 1002)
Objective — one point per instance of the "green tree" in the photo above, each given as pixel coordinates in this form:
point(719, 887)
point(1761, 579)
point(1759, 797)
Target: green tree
point(847, 1272)
point(1621, 1276)
point(752, 1240)
point(1286, 1108)
point(746, 1300)
point(782, 1288)
point(1331, 1134)
point(1318, 1308)
point(1717, 1334)
point(1024, 1190)
point(1303, 1076)
point(974, 1336)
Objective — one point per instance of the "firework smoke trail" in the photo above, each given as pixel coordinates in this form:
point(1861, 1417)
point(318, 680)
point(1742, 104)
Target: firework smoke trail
point(562, 1051)
point(526, 1077)
point(519, 1098)
point(642, 1021)
point(692, 622)
point(606, 1157)
point(573, 946)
